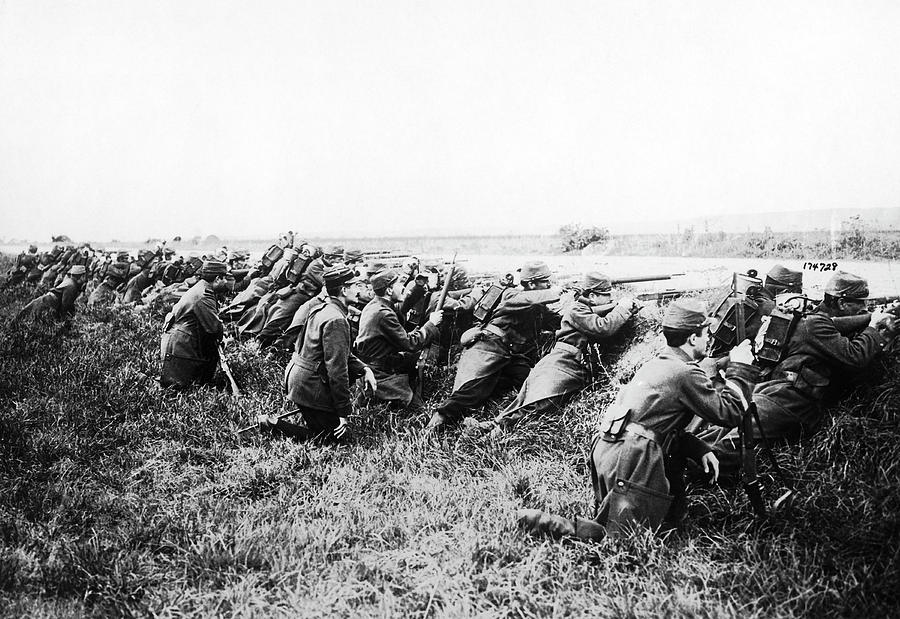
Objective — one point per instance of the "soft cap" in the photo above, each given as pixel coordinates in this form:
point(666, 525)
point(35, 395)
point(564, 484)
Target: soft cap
point(534, 271)
point(847, 286)
point(685, 315)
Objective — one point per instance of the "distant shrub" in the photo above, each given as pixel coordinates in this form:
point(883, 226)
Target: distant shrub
point(574, 237)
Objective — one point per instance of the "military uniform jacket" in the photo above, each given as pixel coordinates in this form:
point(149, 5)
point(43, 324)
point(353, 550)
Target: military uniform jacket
point(59, 300)
point(319, 374)
point(564, 369)
point(381, 336)
point(135, 287)
point(630, 476)
point(815, 351)
point(512, 331)
point(193, 329)
point(382, 343)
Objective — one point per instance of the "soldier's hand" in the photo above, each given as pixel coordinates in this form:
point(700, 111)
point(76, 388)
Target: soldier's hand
point(878, 319)
point(742, 353)
point(342, 429)
point(629, 303)
point(436, 317)
point(710, 466)
point(369, 377)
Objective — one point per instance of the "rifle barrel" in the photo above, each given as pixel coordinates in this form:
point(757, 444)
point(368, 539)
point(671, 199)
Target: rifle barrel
point(645, 278)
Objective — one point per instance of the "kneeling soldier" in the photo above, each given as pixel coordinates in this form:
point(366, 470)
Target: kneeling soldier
point(386, 346)
point(317, 380)
point(637, 458)
point(192, 330)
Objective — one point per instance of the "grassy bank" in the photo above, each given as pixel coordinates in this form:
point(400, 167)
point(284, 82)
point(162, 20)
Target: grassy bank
point(118, 499)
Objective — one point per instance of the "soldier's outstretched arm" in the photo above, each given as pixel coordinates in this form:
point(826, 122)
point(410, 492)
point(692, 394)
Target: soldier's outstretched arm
point(589, 323)
point(855, 353)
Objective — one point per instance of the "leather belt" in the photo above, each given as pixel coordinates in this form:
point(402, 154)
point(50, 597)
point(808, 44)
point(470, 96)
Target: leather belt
point(639, 430)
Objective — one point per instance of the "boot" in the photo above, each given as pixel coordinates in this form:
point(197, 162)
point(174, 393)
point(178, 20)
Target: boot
point(537, 522)
point(589, 529)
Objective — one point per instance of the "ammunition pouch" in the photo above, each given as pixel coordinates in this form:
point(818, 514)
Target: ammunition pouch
point(284, 292)
point(806, 381)
point(470, 336)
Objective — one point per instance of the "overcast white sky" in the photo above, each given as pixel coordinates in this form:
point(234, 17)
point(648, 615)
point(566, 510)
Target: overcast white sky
point(130, 119)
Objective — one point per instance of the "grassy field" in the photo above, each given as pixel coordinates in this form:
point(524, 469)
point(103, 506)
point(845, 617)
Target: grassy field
point(116, 499)
point(853, 243)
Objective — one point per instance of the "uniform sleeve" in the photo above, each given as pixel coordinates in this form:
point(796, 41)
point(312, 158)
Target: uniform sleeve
point(355, 367)
point(720, 407)
point(693, 446)
point(67, 299)
point(207, 315)
point(589, 323)
point(853, 353)
point(393, 332)
point(336, 350)
point(515, 300)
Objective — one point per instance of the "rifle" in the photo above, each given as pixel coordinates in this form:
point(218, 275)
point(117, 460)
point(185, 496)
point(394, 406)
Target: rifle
point(572, 284)
point(224, 365)
point(749, 475)
point(644, 278)
point(279, 418)
point(422, 363)
point(664, 296)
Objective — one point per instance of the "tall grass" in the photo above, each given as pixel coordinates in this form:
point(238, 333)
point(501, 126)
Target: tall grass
point(117, 499)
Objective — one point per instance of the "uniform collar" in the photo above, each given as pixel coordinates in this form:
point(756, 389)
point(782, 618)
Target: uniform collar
point(677, 353)
point(339, 303)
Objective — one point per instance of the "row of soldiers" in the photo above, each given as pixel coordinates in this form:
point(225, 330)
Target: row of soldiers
point(60, 275)
point(681, 406)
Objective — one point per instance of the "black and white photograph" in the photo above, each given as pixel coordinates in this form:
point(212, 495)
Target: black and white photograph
point(409, 308)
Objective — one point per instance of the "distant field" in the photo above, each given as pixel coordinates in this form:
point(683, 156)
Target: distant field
point(855, 242)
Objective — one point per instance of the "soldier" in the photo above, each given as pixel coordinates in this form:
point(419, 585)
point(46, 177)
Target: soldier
point(789, 403)
point(192, 330)
point(25, 264)
point(385, 346)
point(60, 301)
point(499, 354)
point(105, 293)
point(317, 380)
point(637, 458)
point(565, 370)
point(138, 284)
point(291, 297)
